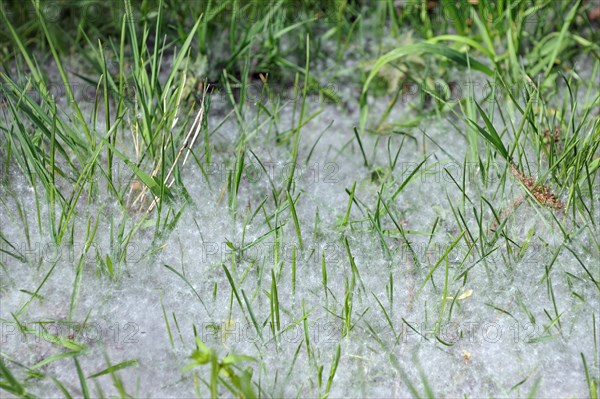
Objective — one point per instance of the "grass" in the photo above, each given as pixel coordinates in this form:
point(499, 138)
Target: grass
point(104, 171)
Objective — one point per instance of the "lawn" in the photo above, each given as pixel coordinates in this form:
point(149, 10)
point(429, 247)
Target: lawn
point(299, 198)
